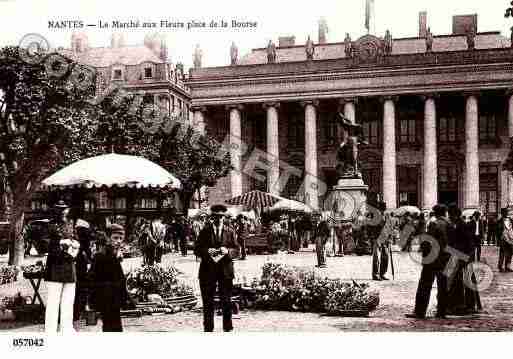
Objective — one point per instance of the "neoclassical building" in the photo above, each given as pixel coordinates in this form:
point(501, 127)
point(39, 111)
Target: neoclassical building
point(436, 110)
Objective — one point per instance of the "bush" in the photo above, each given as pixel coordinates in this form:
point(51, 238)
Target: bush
point(156, 280)
point(8, 274)
point(289, 288)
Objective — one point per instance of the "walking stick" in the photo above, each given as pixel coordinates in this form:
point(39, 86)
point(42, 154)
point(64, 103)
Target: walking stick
point(391, 261)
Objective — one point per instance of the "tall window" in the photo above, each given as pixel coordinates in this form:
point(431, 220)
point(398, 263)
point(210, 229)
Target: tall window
point(372, 132)
point(408, 179)
point(488, 188)
point(296, 133)
point(330, 131)
point(408, 132)
point(148, 73)
point(487, 129)
point(448, 176)
point(117, 74)
point(447, 129)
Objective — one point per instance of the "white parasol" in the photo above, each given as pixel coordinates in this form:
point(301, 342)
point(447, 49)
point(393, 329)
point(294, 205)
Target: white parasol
point(113, 169)
point(289, 204)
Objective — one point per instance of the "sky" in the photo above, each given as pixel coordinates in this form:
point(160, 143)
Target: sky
point(274, 18)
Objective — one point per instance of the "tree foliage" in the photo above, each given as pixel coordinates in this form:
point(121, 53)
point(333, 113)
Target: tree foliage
point(195, 158)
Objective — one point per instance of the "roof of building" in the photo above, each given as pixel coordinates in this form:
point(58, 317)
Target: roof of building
point(108, 56)
point(443, 43)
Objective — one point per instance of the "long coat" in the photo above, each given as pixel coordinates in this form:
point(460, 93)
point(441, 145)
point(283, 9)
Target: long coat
point(109, 283)
point(209, 269)
point(60, 266)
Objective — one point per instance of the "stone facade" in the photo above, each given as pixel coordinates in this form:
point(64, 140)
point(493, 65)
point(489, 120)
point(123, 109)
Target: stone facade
point(438, 123)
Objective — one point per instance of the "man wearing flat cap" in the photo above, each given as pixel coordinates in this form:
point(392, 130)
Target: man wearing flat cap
point(217, 247)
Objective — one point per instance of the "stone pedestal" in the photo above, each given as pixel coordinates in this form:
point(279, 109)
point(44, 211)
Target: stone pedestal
point(347, 197)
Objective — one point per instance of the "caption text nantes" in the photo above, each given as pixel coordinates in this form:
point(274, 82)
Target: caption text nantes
point(168, 24)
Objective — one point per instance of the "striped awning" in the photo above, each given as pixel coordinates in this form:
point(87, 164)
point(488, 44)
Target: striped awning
point(254, 199)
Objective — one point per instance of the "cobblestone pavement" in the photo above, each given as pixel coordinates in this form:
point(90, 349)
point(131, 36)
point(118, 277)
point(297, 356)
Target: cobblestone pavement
point(396, 299)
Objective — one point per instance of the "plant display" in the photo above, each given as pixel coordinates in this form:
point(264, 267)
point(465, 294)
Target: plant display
point(8, 274)
point(156, 280)
point(283, 287)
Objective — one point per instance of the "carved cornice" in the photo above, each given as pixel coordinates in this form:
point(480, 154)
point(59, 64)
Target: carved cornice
point(450, 58)
point(393, 98)
point(274, 104)
point(345, 100)
point(234, 106)
point(314, 103)
point(200, 108)
point(431, 95)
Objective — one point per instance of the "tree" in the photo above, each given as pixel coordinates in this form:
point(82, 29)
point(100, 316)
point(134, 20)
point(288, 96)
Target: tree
point(196, 159)
point(41, 115)
point(48, 119)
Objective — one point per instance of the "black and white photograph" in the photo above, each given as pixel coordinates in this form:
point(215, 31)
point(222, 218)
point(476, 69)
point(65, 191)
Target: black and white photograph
point(236, 167)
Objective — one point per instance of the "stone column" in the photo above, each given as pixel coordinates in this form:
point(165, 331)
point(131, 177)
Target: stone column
point(471, 189)
point(273, 148)
point(311, 181)
point(198, 121)
point(389, 154)
point(349, 109)
point(510, 135)
point(235, 149)
point(430, 167)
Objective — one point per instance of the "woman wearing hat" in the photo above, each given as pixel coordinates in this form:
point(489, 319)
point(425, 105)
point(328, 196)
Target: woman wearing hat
point(60, 273)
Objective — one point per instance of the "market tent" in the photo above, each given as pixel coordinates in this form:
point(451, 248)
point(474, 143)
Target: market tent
point(113, 169)
point(255, 199)
point(289, 204)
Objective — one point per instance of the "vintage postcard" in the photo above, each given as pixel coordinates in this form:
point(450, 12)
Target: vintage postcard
point(335, 166)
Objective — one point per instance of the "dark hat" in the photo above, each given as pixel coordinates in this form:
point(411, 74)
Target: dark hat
point(61, 205)
point(218, 210)
point(117, 228)
point(440, 210)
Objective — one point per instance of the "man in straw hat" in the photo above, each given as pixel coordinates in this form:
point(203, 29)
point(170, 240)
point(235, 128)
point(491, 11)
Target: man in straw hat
point(217, 247)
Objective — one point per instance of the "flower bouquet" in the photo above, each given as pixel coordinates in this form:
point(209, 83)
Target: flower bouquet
point(70, 246)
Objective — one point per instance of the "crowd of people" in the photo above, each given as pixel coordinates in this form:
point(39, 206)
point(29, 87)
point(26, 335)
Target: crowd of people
point(218, 239)
point(450, 248)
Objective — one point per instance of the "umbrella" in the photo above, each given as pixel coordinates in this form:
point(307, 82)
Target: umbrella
point(401, 211)
point(289, 204)
point(254, 199)
point(113, 169)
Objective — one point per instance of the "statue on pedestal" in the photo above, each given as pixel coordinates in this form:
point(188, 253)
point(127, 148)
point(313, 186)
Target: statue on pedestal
point(347, 153)
point(234, 54)
point(429, 40)
point(471, 39)
point(348, 46)
point(388, 43)
point(271, 52)
point(198, 54)
point(309, 49)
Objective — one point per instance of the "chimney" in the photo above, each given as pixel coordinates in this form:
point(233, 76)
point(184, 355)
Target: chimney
point(423, 24)
point(463, 24)
point(286, 41)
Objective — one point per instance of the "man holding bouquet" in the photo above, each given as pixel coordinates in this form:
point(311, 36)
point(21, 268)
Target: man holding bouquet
point(217, 247)
point(61, 272)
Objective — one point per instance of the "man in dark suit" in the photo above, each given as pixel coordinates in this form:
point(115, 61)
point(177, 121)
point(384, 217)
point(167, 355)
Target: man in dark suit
point(217, 247)
point(434, 260)
point(380, 233)
point(478, 228)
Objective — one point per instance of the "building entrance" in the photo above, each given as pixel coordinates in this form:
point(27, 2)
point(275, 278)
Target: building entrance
point(448, 197)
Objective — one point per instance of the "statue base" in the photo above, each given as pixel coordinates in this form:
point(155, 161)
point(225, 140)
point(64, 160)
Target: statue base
point(347, 198)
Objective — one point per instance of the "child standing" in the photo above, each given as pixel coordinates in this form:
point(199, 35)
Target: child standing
point(109, 280)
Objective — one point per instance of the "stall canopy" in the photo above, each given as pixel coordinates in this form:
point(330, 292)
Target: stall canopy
point(255, 199)
point(291, 205)
point(113, 169)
